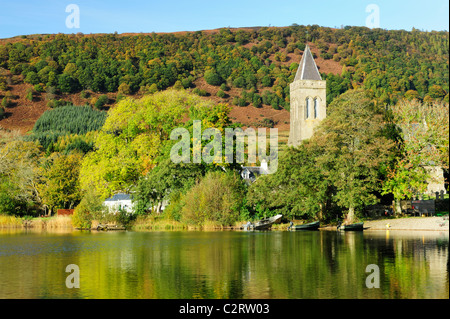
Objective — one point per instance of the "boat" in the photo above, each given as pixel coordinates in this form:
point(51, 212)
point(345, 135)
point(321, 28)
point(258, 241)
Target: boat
point(263, 224)
point(309, 226)
point(354, 227)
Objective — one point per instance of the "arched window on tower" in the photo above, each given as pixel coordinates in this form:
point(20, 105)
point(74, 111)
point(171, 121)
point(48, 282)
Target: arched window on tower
point(316, 108)
point(307, 108)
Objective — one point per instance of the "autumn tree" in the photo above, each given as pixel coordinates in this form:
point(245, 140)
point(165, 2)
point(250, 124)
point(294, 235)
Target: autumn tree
point(59, 185)
point(131, 139)
point(18, 174)
point(424, 131)
point(355, 150)
point(299, 187)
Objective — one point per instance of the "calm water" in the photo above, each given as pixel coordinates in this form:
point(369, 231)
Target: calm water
point(276, 264)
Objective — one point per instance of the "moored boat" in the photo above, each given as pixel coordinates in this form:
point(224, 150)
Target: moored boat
point(355, 227)
point(309, 226)
point(263, 224)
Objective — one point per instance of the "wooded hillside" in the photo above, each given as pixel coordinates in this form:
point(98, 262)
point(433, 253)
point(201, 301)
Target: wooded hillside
point(242, 67)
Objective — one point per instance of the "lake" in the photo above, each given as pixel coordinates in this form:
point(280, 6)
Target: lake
point(224, 264)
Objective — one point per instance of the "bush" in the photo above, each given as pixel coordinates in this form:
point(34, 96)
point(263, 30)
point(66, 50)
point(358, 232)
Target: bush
point(218, 197)
point(2, 112)
point(101, 101)
point(211, 77)
point(187, 82)
point(84, 94)
point(90, 208)
point(199, 92)
point(241, 102)
point(124, 89)
point(6, 102)
point(239, 82)
point(39, 88)
point(29, 95)
point(266, 81)
point(221, 94)
point(257, 101)
point(32, 78)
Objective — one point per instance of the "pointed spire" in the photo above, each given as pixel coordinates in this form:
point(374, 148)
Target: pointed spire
point(307, 69)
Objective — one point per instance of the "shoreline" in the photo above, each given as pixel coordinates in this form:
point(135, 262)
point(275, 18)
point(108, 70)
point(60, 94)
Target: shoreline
point(403, 223)
point(409, 223)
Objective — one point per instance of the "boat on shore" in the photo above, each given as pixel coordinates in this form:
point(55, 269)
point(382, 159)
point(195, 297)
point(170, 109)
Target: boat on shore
point(263, 224)
point(309, 226)
point(352, 227)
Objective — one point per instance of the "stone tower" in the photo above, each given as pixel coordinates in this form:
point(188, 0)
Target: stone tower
point(308, 100)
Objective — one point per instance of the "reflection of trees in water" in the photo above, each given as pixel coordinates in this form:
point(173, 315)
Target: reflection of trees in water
point(319, 264)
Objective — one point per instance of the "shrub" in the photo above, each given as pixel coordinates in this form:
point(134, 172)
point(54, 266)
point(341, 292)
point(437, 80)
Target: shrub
point(257, 101)
point(124, 89)
point(90, 208)
point(6, 102)
point(101, 101)
point(84, 94)
point(239, 82)
point(241, 102)
point(32, 78)
point(186, 82)
point(39, 88)
point(29, 95)
point(199, 92)
point(211, 77)
point(221, 94)
point(218, 198)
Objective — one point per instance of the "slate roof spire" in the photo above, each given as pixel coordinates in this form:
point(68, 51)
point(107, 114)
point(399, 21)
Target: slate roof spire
point(307, 69)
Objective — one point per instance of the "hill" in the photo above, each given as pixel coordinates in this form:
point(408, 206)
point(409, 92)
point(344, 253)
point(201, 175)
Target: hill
point(248, 68)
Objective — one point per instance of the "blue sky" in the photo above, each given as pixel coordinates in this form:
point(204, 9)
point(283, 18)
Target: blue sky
point(19, 17)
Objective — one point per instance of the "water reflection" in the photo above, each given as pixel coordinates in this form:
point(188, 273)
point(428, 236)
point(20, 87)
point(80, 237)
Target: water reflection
point(317, 264)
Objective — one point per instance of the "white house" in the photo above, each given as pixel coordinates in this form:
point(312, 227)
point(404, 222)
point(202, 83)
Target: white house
point(119, 201)
point(250, 173)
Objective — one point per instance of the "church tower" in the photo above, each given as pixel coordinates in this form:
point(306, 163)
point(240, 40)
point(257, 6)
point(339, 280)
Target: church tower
point(308, 100)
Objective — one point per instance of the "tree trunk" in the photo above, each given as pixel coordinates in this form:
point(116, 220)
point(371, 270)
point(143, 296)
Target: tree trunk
point(320, 213)
point(397, 207)
point(351, 215)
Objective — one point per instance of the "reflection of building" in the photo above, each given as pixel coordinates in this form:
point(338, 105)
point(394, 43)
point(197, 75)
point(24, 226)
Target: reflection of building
point(118, 202)
point(308, 100)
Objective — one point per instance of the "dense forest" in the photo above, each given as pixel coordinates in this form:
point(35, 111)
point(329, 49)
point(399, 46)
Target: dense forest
point(260, 62)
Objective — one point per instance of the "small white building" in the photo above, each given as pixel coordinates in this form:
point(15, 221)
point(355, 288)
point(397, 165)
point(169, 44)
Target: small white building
point(250, 173)
point(119, 201)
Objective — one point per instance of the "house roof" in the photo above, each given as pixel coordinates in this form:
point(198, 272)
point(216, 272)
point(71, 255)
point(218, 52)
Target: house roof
point(307, 69)
point(119, 196)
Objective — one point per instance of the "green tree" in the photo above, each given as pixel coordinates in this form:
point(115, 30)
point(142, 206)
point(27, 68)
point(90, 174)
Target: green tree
point(218, 198)
point(59, 186)
point(299, 187)
point(424, 130)
point(436, 92)
point(101, 101)
point(211, 77)
point(355, 149)
point(131, 139)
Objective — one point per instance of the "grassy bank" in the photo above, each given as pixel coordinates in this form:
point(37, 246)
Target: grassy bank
point(159, 223)
point(53, 222)
point(7, 221)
